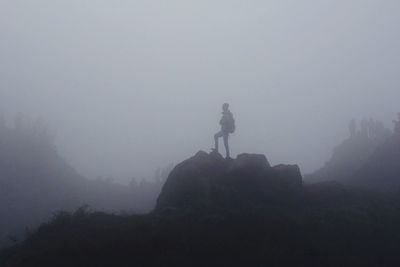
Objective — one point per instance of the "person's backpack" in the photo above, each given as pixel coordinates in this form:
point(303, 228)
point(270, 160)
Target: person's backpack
point(230, 123)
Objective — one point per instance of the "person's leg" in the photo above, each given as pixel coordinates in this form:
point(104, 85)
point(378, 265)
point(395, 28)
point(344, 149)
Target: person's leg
point(226, 143)
point(216, 137)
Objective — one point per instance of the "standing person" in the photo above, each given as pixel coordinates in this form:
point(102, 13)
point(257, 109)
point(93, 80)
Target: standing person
point(2, 122)
point(364, 128)
point(227, 123)
point(371, 128)
point(397, 124)
point(353, 128)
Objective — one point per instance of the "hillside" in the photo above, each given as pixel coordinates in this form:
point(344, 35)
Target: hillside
point(35, 182)
point(217, 212)
point(347, 158)
point(382, 169)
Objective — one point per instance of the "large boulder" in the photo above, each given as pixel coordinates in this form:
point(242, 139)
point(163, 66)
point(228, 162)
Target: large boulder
point(208, 181)
point(288, 175)
point(249, 165)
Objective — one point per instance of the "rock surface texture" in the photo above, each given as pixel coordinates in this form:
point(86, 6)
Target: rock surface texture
point(208, 181)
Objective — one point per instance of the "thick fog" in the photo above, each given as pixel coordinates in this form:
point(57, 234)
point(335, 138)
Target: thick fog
point(130, 86)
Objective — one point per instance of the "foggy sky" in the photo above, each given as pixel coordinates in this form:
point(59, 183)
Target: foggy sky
point(133, 85)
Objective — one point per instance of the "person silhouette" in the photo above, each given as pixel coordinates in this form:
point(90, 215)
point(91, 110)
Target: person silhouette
point(227, 123)
point(2, 122)
point(364, 128)
point(353, 128)
point(397, 124)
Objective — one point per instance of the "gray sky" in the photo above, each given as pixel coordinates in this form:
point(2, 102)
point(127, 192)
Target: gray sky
point(133, 85)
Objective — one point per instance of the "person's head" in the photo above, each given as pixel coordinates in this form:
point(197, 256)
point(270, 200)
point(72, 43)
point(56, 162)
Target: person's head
point(225, 107)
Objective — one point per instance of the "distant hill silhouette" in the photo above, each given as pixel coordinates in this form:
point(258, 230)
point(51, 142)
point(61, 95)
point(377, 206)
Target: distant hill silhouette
point(35, 182)
point(347, 158)
point(381, 171)
point(371, 163)
point(217, 212)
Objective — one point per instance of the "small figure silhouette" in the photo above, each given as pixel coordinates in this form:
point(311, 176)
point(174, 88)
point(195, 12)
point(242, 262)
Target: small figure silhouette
point(2, 122)
point(353, 128)
point(371, 128)
point(364, 128)
point(227, 123)
point(397, 124)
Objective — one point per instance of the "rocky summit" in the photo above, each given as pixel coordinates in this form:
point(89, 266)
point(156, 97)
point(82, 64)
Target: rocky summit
point(208, 181)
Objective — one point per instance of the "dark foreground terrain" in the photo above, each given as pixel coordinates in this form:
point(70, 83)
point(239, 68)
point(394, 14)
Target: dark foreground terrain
point(216, 212)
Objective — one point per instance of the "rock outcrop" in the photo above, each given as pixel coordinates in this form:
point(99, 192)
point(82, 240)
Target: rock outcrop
point(208, 181)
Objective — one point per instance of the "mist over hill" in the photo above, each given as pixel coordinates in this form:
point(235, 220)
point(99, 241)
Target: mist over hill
point(127, 89)
point(241, 210)
point(129, 85)
point(353, 153)
point(36, 182)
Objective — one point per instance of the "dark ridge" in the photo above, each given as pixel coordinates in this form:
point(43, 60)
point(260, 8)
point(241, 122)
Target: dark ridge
point(217, 212)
